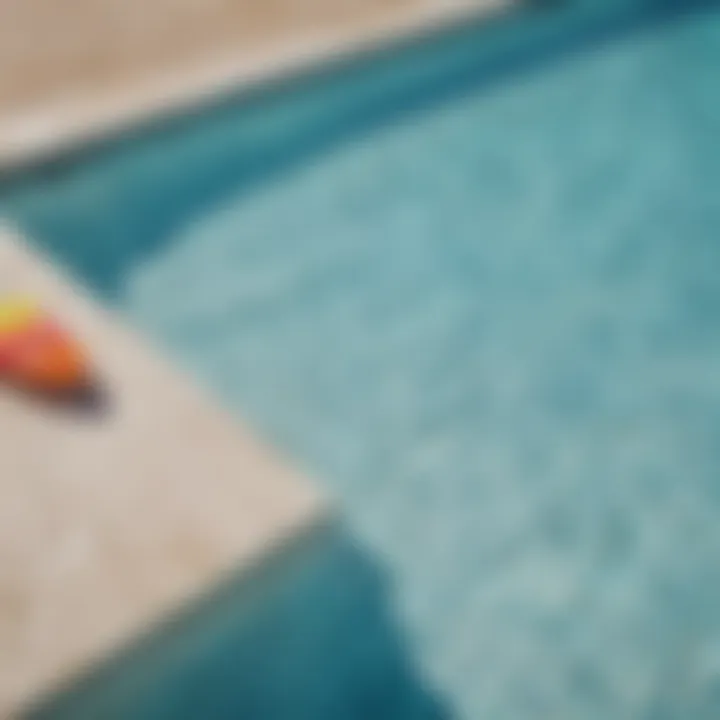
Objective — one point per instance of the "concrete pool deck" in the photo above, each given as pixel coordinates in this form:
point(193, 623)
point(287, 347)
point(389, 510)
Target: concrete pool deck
point(109, 520)
point(87, 104)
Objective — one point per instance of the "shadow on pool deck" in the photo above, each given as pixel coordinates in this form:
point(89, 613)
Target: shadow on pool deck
point(92, 401)
point(103, 212)
point(312, 637)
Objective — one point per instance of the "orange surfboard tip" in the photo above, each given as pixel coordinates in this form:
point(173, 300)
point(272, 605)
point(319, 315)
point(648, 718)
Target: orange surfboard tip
point(37, 354)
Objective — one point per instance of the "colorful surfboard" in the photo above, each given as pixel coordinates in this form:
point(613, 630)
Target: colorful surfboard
point(36, 353)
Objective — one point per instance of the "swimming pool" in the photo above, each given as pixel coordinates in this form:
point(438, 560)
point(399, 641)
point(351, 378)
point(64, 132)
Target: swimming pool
point(472, 286)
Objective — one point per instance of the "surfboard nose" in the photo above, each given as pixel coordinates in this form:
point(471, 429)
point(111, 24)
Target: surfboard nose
point(37, 353)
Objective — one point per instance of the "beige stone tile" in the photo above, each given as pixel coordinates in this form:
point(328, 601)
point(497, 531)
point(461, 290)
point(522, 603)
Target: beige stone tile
point(78, 70)
point(109, 520)
point(51, 47)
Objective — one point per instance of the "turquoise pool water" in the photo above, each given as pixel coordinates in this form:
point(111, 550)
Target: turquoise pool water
point(473, 288)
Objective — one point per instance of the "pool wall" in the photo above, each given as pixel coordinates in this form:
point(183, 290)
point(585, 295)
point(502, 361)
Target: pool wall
point(245, 140)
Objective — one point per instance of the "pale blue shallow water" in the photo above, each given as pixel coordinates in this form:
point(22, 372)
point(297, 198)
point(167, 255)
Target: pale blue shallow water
point(488, 323)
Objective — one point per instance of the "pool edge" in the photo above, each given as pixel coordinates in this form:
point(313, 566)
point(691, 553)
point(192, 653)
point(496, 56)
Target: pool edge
point(112, 530)
point(29, 138)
